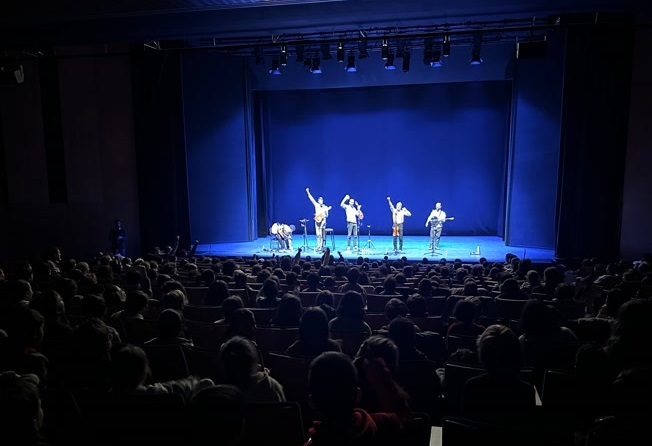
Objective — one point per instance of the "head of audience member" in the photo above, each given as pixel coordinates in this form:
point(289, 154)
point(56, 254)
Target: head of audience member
point(289, 311)
point(465, 311)
point(207, 277)
point(533, 278)
point(394, 308)
point(631, 340)
point(270, 289)
point(352, 275)
point(499, 351)
point(312, 281)
point(510, 289)
point(313, 330)
point(239, 279)
point(242, 323)
point(217, 416)
point(169, 324)
point(173, 285)
point(333, 388)
point(240, 361)
point(402, 332)
point(425, 287)
point(470, 288)
point(216, 293)
point(229, 305)
point(389, 285)
point(50, 304)
point(174, 299)
point(417, 306)
point(129, 369)
point(351, 306)
point(552, 277)
point(378, 347)
point(539, 319)
point(229, 267)
point(135, 303)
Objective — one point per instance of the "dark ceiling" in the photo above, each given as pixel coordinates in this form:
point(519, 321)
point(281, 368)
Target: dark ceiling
point(67, 22)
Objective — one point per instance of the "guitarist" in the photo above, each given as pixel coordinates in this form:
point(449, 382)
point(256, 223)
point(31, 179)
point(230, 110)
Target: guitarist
point(436, 220)
point(321, 213)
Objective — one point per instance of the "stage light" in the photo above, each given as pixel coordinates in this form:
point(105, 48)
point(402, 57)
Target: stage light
point(475, 52)
point(435, 62)
point(427, 50)
point(384, 50)
point(362, 49)
point(275, 69)
point(350, 65)
point(475, 56)
point(340, 52)
point(389, 65)
point(446, 50)
point(316, 66)
point(326, 52)
point(284, 55)
point(406, 61)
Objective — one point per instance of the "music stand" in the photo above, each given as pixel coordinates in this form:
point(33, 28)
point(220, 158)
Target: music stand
point(369, 245)
point(304, 225)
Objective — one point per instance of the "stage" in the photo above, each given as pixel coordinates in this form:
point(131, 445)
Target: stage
point(467, 248)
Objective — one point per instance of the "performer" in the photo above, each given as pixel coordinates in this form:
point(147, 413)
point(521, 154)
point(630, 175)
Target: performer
point(283, 234)
point(353, 212)
point(321, 214)
point(398, 217)
point(117, 237)
point(436, 220)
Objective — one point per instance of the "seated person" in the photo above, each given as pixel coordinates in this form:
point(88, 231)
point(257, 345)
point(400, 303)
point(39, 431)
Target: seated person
point(170, 326)
point(313, 339)
point(21, 415)
point(334, 391)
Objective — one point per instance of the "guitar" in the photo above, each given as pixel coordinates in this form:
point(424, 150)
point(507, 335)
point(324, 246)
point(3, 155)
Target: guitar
point(319, 217)
point(434, 220)
point(395, 231)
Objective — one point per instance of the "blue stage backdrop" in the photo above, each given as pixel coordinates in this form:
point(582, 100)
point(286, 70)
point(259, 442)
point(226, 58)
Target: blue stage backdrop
point(418, 144)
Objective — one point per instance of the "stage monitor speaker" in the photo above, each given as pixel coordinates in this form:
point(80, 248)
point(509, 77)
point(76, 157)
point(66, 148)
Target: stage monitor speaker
point(11, 74)
point(531, 50)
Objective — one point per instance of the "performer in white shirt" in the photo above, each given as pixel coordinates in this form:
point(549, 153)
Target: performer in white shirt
point(436, 221)
point(321, 214)
point(398, 217)
point(353, 212)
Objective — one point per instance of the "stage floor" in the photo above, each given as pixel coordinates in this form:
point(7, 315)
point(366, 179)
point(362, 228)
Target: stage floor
point(415, 248)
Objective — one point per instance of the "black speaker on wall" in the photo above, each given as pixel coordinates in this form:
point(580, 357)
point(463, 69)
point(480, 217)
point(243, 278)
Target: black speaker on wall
point(11, 74)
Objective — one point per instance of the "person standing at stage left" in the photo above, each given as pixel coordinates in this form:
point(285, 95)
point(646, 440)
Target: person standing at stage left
point(118, 238)
point(436, 220)
point(352, 209)
point(321, 214)
point(398, 217)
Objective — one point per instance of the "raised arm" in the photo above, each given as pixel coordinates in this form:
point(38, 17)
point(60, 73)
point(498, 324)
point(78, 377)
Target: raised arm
point(346, 197)
point(391, 206)
point(406, 212)
point(312, 199)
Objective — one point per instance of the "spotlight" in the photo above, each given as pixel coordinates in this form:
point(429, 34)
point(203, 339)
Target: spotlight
point(326, 52)
point(384, 50)
point(284, 55)
point(475, 56)
point(350, 65)
point(362, 49)
point(275, 69)
point(406, 61)
point(447, 46)
point(436, 59)
point(475, 52)
point(316, 67)
point(340, 52)
point(389, 65)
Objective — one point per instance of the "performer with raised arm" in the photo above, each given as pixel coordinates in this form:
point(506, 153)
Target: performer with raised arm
point(321, 214)
point(353, 212)
point(436, 220)
point(398, 217)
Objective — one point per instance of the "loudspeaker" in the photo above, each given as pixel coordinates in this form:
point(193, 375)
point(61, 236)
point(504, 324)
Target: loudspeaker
point(11, 74)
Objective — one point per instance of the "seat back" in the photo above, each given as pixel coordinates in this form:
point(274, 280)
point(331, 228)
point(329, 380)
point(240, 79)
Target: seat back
point(273, 424)
point(455, 377)
point(203, 362)
point(202, 313)
point(206, 335)
point(167, 362)
point(350, 341)
point(263, 315)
